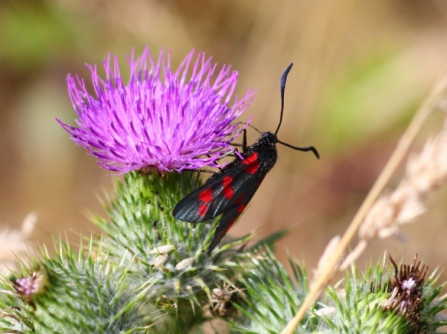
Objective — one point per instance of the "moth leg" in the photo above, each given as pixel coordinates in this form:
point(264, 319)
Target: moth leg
point(243, 145)
point(244, 141)
point(204, 171)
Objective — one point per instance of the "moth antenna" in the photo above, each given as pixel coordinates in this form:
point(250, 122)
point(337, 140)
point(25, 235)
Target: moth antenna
point(304, 149)
point(282, 88)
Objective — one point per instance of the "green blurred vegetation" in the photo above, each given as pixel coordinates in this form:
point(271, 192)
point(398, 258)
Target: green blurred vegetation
point(31, 35)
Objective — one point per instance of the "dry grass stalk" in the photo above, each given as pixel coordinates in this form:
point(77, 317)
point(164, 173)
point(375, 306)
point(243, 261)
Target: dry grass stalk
point(322, 263)
point(398, 155)
point(424, 174)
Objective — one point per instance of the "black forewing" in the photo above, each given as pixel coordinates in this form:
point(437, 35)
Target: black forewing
point(242, 183)
point(232, 214)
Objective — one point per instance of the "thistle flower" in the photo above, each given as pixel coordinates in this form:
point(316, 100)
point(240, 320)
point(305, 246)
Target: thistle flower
point(163, 119)
point(28, 287)
point(406, 286)
point(415, 296)
point(74, 292)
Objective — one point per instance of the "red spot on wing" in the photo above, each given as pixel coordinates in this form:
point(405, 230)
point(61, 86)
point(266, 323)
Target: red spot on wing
point(228, 192)
point(241, 208)
point(252, 162)
point(227, 180)
point(202, 210)
point(228, 189)
point(206, 195)
point(239, 199)
point(250, 159)
point(253, 167)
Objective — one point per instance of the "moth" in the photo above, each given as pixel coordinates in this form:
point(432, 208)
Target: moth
point(228, 191)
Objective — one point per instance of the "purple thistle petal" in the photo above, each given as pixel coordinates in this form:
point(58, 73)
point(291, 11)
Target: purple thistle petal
point(164, 119)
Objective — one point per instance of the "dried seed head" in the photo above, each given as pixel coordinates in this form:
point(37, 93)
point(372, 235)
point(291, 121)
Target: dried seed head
point(221, 299)
point(428, 169)
point(13, 244)
point(162, 249)
point(159, 261)
point(399, 207)
point(184, 263)
point(424, 173)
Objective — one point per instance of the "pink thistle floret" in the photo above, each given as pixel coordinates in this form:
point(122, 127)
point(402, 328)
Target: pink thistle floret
point(171, 121)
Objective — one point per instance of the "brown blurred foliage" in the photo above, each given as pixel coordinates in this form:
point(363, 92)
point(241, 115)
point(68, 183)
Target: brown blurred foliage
point(360, 71)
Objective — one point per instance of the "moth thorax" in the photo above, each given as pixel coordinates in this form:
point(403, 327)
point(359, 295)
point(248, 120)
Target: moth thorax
point(268, 138)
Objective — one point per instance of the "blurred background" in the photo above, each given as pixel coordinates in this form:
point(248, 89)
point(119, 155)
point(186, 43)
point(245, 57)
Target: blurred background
point(361, 69)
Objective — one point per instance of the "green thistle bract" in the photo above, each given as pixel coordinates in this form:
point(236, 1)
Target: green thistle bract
point(79, 294)
point(142, 231)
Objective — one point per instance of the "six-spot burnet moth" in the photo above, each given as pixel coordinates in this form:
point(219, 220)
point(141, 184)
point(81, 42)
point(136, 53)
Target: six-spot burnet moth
point(228, 192)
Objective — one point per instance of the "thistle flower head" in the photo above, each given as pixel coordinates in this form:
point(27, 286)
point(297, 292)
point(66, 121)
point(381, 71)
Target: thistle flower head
point(163, 119)
point(28, 287)
point(407, 285)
